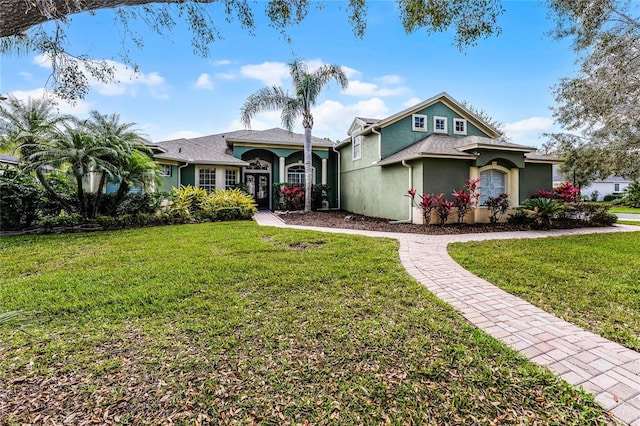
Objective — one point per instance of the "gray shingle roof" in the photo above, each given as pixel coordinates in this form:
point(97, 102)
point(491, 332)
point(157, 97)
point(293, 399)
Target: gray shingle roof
point(211, 149)
point(274, 136)
point(217, 149)
point(439, 145)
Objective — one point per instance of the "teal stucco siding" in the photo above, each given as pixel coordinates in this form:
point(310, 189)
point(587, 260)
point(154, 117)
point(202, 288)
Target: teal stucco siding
point(400, 135)
point(443, 176)
point(167, 183)
point(534, 177)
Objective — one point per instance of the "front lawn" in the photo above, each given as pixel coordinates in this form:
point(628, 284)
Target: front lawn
point(233, 323)
point(623, 209)
point(591, 280)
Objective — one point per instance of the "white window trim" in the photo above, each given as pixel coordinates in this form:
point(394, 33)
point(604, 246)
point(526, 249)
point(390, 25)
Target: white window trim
point(455, 121)
point(225, 177)
point(413, 122)
point(286, 171)
point(197, 177)
point(358, 138)
point(446, 124)
point(164, 166)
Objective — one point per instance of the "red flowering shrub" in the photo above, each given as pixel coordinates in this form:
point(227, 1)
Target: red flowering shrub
point(292, 197)
point(443, 209)
point(466, 198)
point(564, 192)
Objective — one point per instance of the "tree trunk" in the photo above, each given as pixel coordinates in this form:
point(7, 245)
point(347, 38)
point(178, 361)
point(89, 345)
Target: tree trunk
point(81, 198)
point(123, 189)
point(100, 190)
point(308, 169)
point(45, 183)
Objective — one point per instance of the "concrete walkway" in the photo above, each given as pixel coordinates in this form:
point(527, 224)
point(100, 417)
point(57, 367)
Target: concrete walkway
point(606, 369)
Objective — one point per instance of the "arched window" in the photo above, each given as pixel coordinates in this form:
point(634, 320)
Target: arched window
point(492, 183)
point(295, 174)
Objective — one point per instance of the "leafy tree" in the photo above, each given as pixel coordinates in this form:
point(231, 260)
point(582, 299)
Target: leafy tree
point(78, 149)
point(19, 199)
point(128, 154)
point(307, 86)
point(25, 127)
point(600, 106)
point(23, 28)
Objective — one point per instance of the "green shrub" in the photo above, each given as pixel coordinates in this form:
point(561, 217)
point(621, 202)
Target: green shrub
point(520, 217)
point(497, 206)
point(20, 196)
point(612, 197)
point(144, 202)
point(542, 211)
point(63, 220)
point(631, 196)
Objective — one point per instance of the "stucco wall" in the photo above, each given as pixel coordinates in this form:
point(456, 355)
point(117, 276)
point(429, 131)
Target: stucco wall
point(443, 176)
point(400, 135)
point(533, 178)
point(167, 183)
point(379, 191)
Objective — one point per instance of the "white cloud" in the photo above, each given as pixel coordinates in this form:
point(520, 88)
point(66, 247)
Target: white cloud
point(362, 89)
point(186, 134)
point(331, 118)
point(221, 62)
point(125, 80)
point(204, 82)
point(529, 130)
point(411, 102)
point(79, 108)
point(532, 124)
point(270, 73)
point(391, 80)
point(25, 75)
point(350, 72)
point(225, 76)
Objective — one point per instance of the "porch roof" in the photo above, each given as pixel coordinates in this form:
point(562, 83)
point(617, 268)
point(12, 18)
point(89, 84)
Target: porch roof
point(439, 145)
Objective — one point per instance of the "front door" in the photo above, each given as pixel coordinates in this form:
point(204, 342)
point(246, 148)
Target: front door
point(258, 185)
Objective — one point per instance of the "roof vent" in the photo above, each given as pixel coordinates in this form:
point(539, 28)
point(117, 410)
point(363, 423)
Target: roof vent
point(179, 150)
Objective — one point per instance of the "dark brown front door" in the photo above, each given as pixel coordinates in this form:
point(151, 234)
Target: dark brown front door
point(258, 184)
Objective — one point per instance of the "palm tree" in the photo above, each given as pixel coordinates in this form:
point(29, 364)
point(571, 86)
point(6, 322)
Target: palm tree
point(129, 155)
point(26, 127)
point(78, 149)
point(307, 86)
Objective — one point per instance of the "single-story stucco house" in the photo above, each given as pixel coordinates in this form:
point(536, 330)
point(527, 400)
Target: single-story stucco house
point(257, 158)
point(9, 160)
point(431, 147)
point(611, 185)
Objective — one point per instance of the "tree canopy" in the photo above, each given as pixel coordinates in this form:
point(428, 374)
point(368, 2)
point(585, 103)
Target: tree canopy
point(600, 105)
point(39, 26)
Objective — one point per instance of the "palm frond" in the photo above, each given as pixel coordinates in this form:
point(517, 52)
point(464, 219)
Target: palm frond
point(266, 99)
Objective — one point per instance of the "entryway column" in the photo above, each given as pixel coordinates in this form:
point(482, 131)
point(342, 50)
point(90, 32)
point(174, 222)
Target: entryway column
point(324, 171)
point(514, 191)
point(281, 169)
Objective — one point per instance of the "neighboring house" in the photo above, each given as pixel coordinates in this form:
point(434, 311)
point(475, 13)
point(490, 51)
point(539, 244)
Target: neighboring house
point(432, 147)
point(612, 185)
point(9, 160)
point(257, 158)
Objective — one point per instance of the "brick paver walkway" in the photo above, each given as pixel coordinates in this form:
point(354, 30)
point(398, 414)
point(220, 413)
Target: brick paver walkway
point(606, 369)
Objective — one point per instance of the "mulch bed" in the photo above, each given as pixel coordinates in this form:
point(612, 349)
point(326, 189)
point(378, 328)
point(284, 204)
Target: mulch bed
point(346, 220)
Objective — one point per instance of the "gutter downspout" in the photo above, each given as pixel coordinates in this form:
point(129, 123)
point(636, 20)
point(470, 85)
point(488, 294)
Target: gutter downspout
point(410, 220)
point(180, 172)
point(339, 177)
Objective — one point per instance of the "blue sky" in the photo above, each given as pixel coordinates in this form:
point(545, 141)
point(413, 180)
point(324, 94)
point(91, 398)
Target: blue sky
point(179, 94)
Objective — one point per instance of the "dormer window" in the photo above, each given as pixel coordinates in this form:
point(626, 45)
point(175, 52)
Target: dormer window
point(440, 124)
point(419, 123)
point(459, 126)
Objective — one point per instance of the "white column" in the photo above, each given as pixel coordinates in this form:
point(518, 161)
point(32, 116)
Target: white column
point(324, 171)
point(220, 177)
point(515, 187)
point(282, 174)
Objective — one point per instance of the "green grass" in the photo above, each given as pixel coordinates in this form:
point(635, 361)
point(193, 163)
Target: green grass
point(592, 281)
point(629, 222)
point(235, 323)
point(622, 209)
